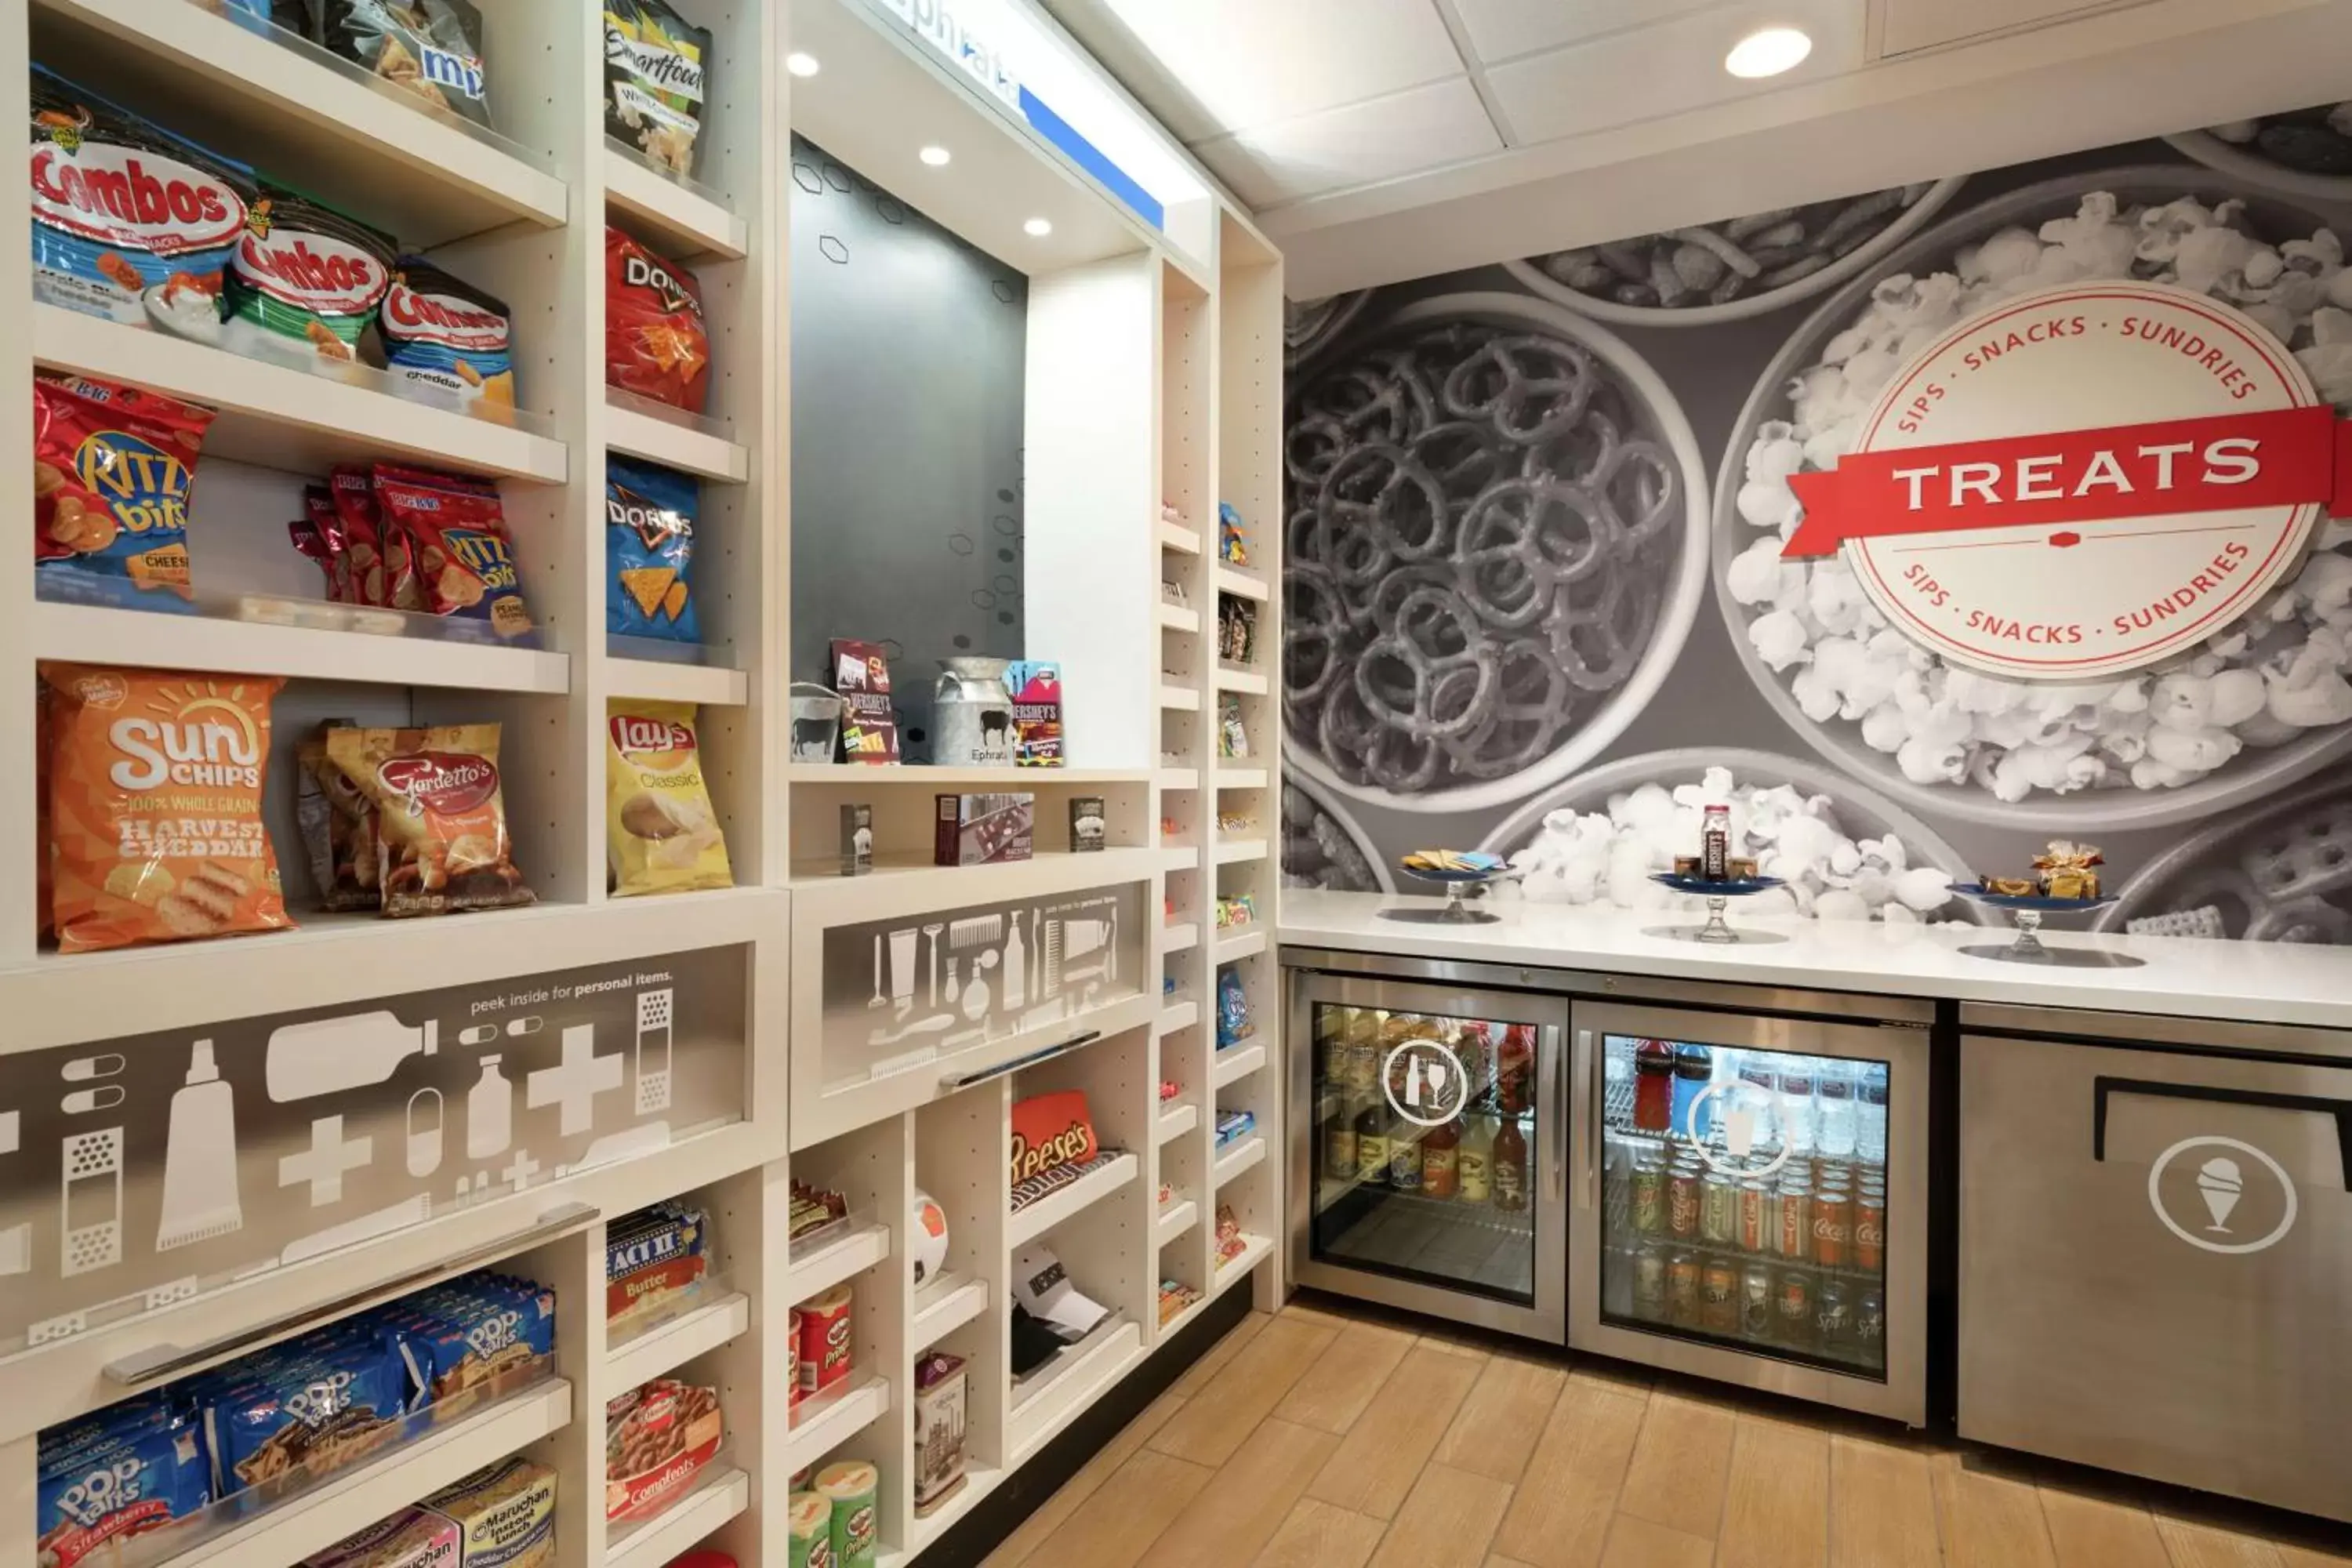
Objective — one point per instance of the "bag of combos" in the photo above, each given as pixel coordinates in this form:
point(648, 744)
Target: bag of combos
point(662, 833)
point(129, 222)
point(441, 821)
point(304, 277)
point(649, 546)
point(653, 65)
point(156, 827)
point(430, 49)
point(112, 467)
point(442, 336)
point(655, 344)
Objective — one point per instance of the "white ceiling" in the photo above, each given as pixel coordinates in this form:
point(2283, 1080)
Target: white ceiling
point(1329, 115)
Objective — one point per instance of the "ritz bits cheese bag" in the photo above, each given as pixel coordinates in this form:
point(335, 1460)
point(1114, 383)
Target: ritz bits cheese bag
point(112, 467)
point(465, 560)
point(663, 834)
point(155, 806)
point(440, 816)
point(655, 344)
point(304, 281)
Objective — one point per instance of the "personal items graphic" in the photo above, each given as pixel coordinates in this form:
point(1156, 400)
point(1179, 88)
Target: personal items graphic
point(200, 1158)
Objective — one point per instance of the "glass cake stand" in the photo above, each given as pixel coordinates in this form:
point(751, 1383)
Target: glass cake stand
point(1469, 877)
point(1718, 895)
point(2027, 910)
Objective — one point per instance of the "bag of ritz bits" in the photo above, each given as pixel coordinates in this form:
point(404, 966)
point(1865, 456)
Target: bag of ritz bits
point(112, 469)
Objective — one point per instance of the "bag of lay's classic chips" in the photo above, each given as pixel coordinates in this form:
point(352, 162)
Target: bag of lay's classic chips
point(129, 222)
point(304, 281)
point(662, 833)
point(442, 335)
point(465, 560)
point(649, 514)
point(155, 821)
point(112, 467)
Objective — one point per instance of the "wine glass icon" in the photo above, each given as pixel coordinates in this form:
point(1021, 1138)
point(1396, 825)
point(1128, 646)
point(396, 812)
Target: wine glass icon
point(2220, 1184)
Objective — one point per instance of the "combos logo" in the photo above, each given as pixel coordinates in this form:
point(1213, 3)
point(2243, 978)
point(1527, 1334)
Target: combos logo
point(439, 319)
point(140, 200)
point(315, 271)
point(447, 783)
point(1985, 521)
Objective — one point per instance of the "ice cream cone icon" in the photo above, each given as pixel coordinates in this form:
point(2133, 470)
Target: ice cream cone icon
point(2219, 1182)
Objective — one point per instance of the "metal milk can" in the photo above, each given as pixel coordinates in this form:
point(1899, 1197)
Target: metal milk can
point(972, 714)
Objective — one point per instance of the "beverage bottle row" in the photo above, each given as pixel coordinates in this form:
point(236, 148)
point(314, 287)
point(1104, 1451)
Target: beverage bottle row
point(1471, 1158)
point(1498, 1061)
point(1758, 1299)
point(1824, 1105)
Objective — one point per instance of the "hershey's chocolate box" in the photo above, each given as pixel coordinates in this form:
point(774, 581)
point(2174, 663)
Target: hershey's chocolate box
point(982, 829)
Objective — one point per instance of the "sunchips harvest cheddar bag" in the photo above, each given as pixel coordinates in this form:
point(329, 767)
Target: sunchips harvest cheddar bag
point(155, 806)
point(112, 467)
point(440, 816)
point(662, 836)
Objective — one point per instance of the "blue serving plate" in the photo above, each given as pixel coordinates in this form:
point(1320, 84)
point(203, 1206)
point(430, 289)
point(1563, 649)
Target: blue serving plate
point(1706, 889)
point(2039, 902)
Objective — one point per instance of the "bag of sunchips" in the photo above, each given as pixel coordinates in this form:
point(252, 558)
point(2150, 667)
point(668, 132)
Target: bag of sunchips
point(457, 530)
point(112, 467)
point(440, 816)
point(662, 836)
point(431, 48)
point(653, 65)
point(649, 514)
point(155, 806)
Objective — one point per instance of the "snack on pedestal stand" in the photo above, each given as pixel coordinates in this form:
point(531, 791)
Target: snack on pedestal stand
point(2065, 880)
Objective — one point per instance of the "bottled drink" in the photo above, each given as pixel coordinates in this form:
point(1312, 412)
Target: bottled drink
point(1473, 1047)
point(1870, 1327)
point(1371, 1145)
point(1797, 1104)
point(1755, 1095)
point(1404, 1157)
point(1756, 1301)
point(1474, 1162)
point(1869, 1114)
point(1515, 1068)
point(1833, 1318)
point(1439, 1161)
point(1718, 1297)
point(1715, 844)
point(1510, 1167)
point(1362, 1054)
point(1833, 1086)
point(1694, 1068)
point(1650, 1281)
point(1681, 1288)
point(1654, 1086)
point(1793, 1313)
point(1339, 1146)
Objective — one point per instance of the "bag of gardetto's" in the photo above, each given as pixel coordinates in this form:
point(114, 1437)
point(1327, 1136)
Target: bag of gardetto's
point(440, 816)
point(443, 335)
point(304, 280)
point(155, 821)
point(129, 222)
point(655, 344)
point(112, 467)
point(465, 560)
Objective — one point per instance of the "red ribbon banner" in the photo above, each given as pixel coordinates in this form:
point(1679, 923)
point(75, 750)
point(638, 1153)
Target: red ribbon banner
point(2288, 457)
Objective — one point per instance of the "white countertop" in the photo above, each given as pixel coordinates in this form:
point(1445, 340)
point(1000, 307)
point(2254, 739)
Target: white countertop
point(2257, 982)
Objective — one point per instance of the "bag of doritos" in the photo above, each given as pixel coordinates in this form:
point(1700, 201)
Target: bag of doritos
point(655, 344)
point(649, 547)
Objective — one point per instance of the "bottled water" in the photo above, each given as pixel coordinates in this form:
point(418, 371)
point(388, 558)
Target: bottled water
point(1833, 1086)
point(1869, 1114)
point(1753, 1096)
point(1797, 1103)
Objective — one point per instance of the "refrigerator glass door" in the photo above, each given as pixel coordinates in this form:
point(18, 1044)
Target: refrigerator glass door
point(1751, 1201)
point(1431, 1156)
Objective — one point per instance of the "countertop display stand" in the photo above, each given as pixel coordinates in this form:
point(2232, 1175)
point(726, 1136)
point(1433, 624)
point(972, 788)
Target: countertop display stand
point(1157, 360)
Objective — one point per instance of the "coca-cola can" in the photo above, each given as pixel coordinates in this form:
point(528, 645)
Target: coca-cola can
point(1681, 1204)
point(1797, 1222)
point(1718, 1297)
point(1833, 1228)
point(1753, 1235)
point(1870, 1232)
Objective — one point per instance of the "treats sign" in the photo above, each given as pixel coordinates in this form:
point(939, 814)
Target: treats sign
point(1987, 522)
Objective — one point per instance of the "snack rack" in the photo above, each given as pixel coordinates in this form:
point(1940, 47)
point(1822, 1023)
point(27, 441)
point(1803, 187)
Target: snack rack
point(522, 217)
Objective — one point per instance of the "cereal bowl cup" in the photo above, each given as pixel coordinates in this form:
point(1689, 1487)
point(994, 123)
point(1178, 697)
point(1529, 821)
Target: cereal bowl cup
point(2251, 708)
point(1497, 547)
point(1739, 268)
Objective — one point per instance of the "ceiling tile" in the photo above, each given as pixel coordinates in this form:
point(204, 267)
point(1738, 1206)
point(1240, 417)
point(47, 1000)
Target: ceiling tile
point(1666, 69)
point(1421, 128)
point(1252, 62)
point(1925, 24)
point(1500, 29)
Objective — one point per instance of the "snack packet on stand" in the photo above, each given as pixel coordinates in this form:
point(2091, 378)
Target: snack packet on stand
point(655, 344)
point(662, 833)
point(442, 335)
point(649, 545)
point(155, 806)
point(441, 824)
point(154, 264)
point(653, 65)
point(113, 469)
point(304, 281)
point(465, 561)
point(430, 49)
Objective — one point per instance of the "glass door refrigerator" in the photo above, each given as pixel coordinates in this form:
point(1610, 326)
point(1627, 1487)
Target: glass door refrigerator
point(1429, 1148)
point(1750, 1201)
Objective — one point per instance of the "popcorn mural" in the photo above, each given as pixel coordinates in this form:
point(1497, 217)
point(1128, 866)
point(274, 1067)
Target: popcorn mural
point(1509, 491)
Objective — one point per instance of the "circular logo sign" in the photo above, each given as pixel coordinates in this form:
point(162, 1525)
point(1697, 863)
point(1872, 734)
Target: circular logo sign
point(2217, 1209)
point(1426, 1083)
point(1742, 1111)
point(2078, 482)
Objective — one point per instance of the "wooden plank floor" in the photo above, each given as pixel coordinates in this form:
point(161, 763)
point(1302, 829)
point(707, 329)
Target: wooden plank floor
point(1318, 1438)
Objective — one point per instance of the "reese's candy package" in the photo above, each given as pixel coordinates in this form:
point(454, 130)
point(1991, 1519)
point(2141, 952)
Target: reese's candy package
point(662, 836)
point(112, 467)
point(649, 546)
point(442, 335)
point(653, 65)
point(305, 278)
point(430, 49)
point(655, 344)
point(129, 222)
point(465, 560)
point(440, 816)
point(155, 821)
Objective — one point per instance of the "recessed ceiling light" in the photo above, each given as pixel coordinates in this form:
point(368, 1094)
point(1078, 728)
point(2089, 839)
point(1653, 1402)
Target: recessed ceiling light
point(1768, 52)
point(1037, 226)
point(801, 65)
point(937, 157)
